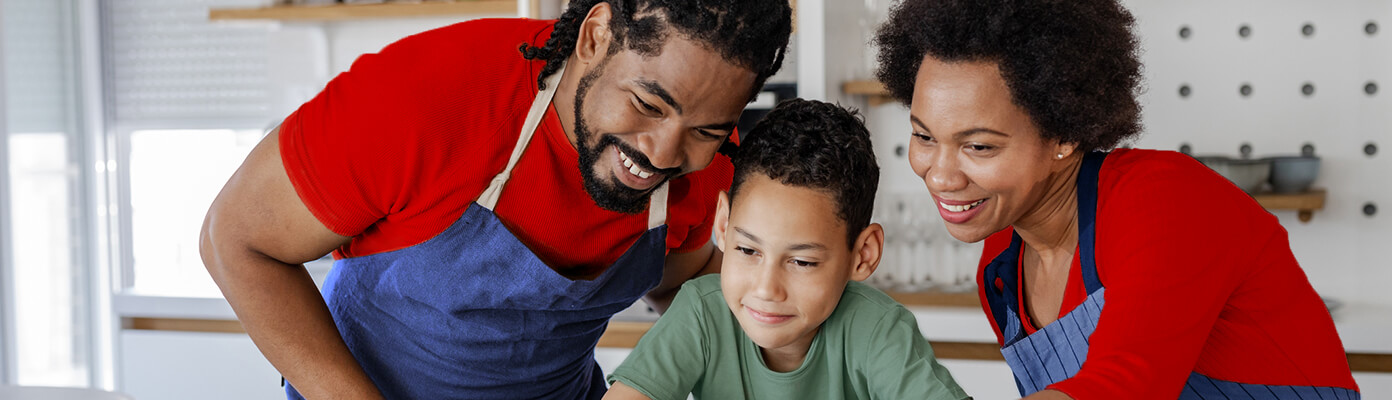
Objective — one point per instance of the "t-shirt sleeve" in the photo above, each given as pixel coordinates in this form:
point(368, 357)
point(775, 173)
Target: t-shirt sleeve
point(1175, 240)
point(900, 363)
point(671, 357)
point(384, 130)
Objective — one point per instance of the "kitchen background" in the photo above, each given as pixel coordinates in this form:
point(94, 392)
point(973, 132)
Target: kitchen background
point(123, 118)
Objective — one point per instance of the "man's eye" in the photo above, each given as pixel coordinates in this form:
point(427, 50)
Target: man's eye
point(648, 107)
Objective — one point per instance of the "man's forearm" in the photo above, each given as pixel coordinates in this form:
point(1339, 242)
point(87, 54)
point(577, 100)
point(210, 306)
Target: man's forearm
point(286, 317)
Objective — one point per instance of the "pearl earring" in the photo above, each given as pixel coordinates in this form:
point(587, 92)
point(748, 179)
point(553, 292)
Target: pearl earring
point(1060, 156)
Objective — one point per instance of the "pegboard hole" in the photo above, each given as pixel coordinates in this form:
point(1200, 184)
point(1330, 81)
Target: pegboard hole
point(1186, 148)
point(1308, 30)
point(1308, 89)
point(1307, 149)
point(1244, 31)
point(1245, 90)
point(899, 151)
point(1369, 209)
point(1245, 150)
point(1370, 88)
point(1185, 32)
point(1370, 149)
point(1370, 28)
point(1184, 91)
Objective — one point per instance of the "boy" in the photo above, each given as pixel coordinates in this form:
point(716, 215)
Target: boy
point(788, 317)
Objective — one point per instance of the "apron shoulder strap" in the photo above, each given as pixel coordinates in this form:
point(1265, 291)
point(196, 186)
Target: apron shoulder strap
point(489, 198)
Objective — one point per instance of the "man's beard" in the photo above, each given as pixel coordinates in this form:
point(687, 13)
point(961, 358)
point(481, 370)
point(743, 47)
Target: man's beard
point(611, 194)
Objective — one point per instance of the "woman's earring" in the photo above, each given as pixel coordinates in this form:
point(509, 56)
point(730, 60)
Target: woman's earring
point(1060, 156)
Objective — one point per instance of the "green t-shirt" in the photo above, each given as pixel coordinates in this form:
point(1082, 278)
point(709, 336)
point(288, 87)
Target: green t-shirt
point(869, 348)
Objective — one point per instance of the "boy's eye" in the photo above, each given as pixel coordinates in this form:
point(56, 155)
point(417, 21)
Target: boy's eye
point(747, 251)
point(802, 263)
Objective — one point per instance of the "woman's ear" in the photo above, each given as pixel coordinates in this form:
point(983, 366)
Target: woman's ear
point(722, 220)
point(1064, 150)
point(866, 253)
point(592, 42)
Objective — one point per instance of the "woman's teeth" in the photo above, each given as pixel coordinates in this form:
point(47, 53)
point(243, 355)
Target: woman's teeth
point(961, 208)
point(633, 168)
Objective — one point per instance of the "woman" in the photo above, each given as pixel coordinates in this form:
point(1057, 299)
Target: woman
point(1122, 275)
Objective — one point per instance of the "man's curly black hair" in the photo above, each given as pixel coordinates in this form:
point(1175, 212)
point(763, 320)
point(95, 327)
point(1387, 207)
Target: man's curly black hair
point(816, 145)
point(749, 33)
point(1071, 64)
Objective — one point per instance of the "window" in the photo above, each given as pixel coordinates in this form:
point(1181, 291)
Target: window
point(49, 312)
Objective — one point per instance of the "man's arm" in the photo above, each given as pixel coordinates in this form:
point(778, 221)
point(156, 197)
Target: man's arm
point(254, 241)
point(681, 267)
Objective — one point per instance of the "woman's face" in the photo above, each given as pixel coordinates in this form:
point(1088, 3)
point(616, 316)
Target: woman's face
point(981, 155)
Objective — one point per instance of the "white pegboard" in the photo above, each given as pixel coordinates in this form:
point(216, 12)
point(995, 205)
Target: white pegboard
point(1339, 247)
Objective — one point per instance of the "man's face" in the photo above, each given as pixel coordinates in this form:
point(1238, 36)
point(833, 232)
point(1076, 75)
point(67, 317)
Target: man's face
point(640, 121)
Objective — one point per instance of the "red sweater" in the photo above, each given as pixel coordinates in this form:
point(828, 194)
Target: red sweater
point(394, 150)
point(1199, 277)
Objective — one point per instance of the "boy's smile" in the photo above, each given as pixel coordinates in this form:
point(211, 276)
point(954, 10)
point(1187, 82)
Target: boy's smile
point(786, 264)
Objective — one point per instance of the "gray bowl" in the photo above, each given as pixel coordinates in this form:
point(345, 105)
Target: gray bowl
point(1293, 174)
point(1249, 175)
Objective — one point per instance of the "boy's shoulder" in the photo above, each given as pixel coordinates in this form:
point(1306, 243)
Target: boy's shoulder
point(867, 301)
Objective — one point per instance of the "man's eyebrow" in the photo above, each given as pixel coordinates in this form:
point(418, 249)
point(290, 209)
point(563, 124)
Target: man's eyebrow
point(656, 89)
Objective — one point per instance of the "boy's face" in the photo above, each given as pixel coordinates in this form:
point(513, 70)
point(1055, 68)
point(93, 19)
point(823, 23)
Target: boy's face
point(786, 261)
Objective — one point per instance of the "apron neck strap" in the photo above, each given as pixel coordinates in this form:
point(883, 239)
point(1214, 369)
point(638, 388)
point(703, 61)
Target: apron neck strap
point(1087, 218)
point(657, 204)
point(489, 198)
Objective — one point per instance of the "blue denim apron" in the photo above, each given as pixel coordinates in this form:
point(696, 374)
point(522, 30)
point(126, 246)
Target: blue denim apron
point(474, 314)
point(1058, 351)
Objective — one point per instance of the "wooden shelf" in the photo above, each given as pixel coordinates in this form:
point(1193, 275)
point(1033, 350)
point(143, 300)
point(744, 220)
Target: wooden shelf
point(875, 90)
point(339, 12)
point(1304, 203)
point(937, 299)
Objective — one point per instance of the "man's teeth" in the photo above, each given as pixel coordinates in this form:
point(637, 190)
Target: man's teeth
point(961, 208)
point(633, 168)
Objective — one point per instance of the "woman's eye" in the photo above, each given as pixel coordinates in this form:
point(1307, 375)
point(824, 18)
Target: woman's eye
point(922, 137)
point(980, 147)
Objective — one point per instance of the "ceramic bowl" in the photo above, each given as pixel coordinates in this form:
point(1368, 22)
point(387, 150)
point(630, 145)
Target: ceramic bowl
point(1293, 174)
point(1247, 174)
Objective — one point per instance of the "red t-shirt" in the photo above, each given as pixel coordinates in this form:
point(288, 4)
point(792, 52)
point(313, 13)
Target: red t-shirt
point(395, 149)
point(1199, 277)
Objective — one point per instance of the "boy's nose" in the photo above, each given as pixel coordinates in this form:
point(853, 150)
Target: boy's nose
point(768, 285)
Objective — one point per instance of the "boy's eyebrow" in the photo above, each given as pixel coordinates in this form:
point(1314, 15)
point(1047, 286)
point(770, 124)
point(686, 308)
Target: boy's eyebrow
point(751, 236)
point(796, 247)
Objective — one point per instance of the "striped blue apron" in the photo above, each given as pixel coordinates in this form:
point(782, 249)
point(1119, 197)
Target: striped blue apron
point(474, 314)
point(1058, 351)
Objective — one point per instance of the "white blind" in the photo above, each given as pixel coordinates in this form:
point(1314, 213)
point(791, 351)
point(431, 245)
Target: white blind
point(169, 63)
point(38, 93)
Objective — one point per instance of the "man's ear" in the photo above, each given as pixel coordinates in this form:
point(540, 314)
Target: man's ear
point(592, 42)
point(866, 252)
point(722, 220)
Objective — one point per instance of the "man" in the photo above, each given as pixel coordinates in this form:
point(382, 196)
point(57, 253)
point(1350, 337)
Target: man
point(475, 258)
